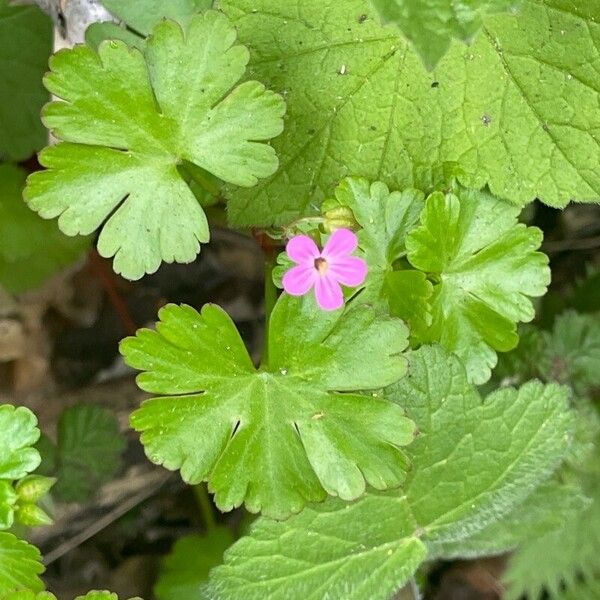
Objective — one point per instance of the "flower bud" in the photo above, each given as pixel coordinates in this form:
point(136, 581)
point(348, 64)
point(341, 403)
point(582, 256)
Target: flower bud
point(33, 487)
point(31, 515)
point(339, 217)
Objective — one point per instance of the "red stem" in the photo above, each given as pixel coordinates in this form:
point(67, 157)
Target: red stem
point(106, 276)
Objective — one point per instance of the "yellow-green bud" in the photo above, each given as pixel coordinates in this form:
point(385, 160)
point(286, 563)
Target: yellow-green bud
point(339, 217)
point(31, 515)
point(33, 487)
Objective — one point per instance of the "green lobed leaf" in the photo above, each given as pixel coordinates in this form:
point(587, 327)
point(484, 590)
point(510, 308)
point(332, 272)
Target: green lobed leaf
point(185, 570)
point(484, 457)
point(20, 565)
point(31, 249)
point(128, 121)
point(284, 435)
point(517, 110)
point(26, 35)
point(18, 434)
point(571, 352)
point(461, 276)
point(544, 565)
point(89, 451)
point(432, 24)
point(487, 268)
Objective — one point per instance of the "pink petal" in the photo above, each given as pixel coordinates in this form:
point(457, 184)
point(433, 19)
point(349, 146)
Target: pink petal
point(348, 270)
point(341, 243)
point(298, 280)
point(302, 250)
point(328, 293)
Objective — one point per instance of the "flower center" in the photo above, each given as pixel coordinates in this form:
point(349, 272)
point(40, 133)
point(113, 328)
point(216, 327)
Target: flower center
point(321, 265)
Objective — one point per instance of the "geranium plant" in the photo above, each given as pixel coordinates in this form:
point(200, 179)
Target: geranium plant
point(386, 150)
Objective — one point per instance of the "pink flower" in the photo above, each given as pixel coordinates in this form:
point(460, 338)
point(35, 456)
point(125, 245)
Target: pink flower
point(324, 270)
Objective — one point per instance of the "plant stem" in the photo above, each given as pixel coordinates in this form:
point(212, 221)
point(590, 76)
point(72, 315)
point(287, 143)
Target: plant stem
point(107, 279)
point(203, 500)
point(270, 300)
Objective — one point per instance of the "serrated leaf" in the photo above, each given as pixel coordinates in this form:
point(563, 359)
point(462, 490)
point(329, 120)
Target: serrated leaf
point(129, 119)
point(571, 352)
point(18, 433)
point(514, 110)
point(20, 565)
point(284, 435)
point(31, 249)
point(546, 564)
point(545, 510)
point(432, 24)
point(185, 570)
point(487, 268)
point(26, 35)
point(485, 459)
point(367, 549)
point(89, 451)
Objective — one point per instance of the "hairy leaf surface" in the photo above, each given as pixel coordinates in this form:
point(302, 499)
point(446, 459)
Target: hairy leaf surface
point(432, 24)
point(485, 458)
point(517, 110)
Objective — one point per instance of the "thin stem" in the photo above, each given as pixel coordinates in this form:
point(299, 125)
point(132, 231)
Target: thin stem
point(107, 279)
point(204, 503)
point(270, 300)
